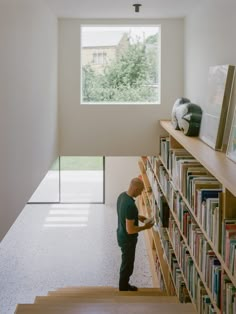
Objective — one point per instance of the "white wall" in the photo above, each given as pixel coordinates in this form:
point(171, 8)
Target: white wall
point(118, 173)
point(209, 40)
point(115, 130)
point(28, 102)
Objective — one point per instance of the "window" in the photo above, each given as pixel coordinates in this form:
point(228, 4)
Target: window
point(99, 58)
point(73, 179)
point(120, 64)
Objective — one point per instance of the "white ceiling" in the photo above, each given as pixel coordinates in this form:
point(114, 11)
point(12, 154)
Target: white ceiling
point(122, 8)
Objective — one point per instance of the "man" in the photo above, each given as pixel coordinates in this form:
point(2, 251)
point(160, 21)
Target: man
point(127, 231)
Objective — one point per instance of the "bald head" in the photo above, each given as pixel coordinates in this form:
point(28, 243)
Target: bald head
point(136, 187)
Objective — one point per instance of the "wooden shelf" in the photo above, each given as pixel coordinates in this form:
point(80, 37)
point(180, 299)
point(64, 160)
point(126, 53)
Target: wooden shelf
point(196, 265)
point(224, 170)
point(186, 284)
point(193, 258)
point(231, 277)
point(163, 263)
point(221, 167)
point(155, 238)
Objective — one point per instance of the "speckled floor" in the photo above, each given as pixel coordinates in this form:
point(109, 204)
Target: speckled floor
point(52, 246)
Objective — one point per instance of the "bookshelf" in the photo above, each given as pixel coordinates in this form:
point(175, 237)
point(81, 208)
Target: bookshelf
point(199, 246)
point(162, 273)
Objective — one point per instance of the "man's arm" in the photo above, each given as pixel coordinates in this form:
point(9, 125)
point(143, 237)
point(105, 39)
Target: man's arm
point(131, 228)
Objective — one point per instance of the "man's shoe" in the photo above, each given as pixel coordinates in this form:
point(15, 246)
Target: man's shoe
point(132, 288)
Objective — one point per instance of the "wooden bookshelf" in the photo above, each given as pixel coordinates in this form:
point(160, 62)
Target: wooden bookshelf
point(154, 244)
point(190, 295)
point(192, 256)
point(224, 170)
point(153, 239)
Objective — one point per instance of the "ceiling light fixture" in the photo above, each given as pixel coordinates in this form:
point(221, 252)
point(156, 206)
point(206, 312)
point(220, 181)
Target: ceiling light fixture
point(137, 7)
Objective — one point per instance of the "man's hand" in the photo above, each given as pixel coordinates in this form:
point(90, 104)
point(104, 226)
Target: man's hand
point(149, 225)
point(141, 218)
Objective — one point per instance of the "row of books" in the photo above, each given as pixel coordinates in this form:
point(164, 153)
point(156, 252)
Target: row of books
point(159, 205)
point(203, 194)
point(195, 285)
point(207, 212)
point(228, 296)
point(209, 216)
point(146, 198)
point(161, 209)
point(176, 275)
point(211, 273)
point(181, 289)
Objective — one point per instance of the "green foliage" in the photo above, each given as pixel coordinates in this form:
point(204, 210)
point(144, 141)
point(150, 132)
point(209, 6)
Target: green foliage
point(128, 79)
point(79, 163)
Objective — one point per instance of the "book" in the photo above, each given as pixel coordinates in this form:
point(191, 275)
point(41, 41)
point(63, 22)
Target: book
point(230, 238)
point(184, 166)
point(197, 180)
point(226, 224)
point(201, 186)
point(232, 257)
point(164, 213)
point(201, 196)
point(193, 170)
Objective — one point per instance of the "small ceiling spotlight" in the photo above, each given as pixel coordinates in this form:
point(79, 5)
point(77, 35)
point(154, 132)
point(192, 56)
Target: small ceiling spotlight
point(137, 7)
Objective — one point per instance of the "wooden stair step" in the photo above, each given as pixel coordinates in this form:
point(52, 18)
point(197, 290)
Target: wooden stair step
point(106, 308)
point(101, 288)
point(104, 299)
point(106, 289)
point(111, 293)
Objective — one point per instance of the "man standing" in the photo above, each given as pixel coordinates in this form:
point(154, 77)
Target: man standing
point(127, 231)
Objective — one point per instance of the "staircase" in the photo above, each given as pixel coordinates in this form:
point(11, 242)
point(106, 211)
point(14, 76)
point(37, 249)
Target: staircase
point(105, 300)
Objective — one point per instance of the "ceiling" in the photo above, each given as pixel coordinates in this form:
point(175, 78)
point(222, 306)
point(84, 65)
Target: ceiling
point(122, 8)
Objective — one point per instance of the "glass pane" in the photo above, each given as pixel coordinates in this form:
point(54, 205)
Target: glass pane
point(82, 179)
point(120, 64)
point(48, 190)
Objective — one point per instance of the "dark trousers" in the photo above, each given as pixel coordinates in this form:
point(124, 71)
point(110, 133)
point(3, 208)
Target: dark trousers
point(127, 263)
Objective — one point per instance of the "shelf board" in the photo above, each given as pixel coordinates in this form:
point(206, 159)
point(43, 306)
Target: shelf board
point(221, 167)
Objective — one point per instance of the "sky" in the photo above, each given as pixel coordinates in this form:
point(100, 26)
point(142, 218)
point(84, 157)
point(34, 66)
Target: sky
point(134, 31)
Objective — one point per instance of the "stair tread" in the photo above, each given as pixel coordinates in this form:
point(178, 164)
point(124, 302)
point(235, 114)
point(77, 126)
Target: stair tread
point(104, 289)
point(101, 299)
point(105, 308)
point(113, 293)
point(105, 300)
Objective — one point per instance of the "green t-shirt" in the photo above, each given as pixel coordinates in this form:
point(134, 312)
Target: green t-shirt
point(126, 209)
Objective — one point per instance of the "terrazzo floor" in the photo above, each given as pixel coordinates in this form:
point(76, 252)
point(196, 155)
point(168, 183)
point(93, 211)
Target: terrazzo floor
point(52, 246)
